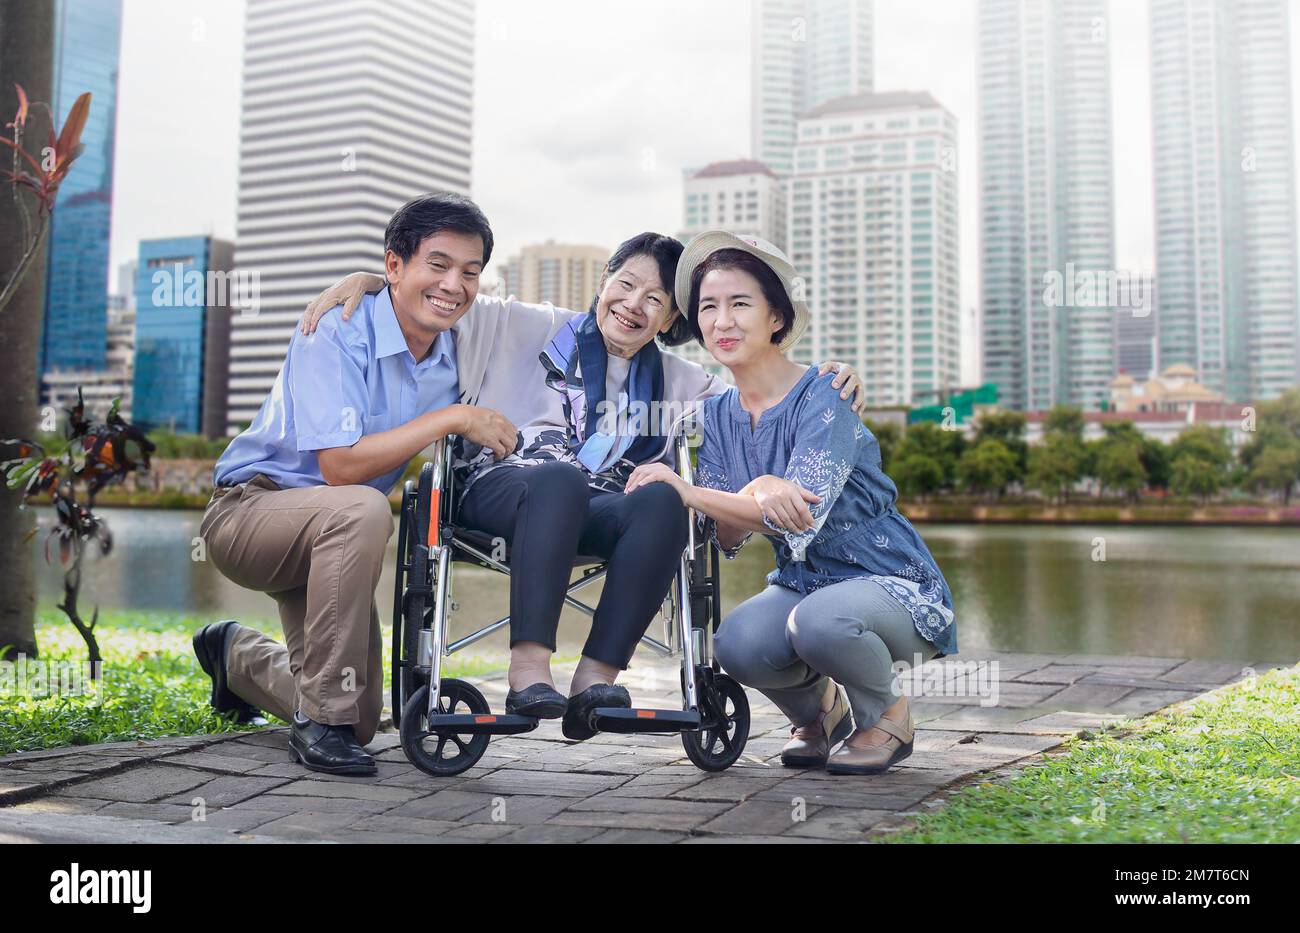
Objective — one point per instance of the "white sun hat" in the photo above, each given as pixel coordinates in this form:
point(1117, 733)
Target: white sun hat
point(706, 244)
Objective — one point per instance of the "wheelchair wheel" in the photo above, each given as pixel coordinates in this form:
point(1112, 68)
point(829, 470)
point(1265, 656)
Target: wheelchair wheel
point(443, 753)
point(721, 739)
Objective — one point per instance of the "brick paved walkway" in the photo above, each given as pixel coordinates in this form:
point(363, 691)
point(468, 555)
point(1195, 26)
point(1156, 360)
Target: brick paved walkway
point(539, 787)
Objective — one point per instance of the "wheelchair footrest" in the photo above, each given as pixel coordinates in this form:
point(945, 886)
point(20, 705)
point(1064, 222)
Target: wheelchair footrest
point(481, 723)
point(622, 719)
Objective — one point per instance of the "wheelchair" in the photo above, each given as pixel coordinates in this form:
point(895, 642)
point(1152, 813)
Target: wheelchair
point(445, 724)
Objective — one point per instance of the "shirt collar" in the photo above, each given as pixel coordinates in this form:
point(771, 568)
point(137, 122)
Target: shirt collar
point(389, 339)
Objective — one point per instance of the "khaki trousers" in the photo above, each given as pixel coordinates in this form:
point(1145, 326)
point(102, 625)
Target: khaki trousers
point(318, 552)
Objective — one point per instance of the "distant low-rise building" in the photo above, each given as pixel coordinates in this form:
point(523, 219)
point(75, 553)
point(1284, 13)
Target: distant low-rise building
point(1174, 390)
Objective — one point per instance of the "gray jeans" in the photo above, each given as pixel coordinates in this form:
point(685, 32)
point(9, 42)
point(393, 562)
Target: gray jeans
point(786, 644)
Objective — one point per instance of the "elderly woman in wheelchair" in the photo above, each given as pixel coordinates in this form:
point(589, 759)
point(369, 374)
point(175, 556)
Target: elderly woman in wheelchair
point(611, 402)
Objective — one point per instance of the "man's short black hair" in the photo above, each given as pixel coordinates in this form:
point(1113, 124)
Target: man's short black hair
point(433, 213)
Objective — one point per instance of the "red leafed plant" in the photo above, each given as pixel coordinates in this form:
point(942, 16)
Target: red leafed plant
point(93, 454)
point(41, 177)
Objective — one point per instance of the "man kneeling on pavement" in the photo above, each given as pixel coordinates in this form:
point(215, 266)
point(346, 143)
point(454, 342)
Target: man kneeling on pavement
point(300, 509)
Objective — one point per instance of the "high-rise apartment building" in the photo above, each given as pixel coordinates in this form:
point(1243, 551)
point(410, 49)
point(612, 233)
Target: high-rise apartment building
point(741, 195)
point(1225, 196)
point(1046, 201)
point(86, 51)
point(350, 109)
point(804, 53)
point(565, 274)
point(874, 231)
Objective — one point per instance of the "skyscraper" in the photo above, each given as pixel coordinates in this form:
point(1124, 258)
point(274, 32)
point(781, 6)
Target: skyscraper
point(86, 48)
point(1046, 200)
point(740, 195)
point(873, 228)
point(1225, 193)
point(349, 110)
point(805, 52)
point(182, 334)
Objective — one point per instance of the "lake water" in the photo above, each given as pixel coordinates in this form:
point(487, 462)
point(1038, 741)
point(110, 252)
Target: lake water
point(1214, 593)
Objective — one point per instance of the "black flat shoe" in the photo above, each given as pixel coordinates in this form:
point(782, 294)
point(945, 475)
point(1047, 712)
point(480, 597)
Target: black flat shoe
point(210, 644)
point(330, 749)
point(577, 717)
point(541, 701)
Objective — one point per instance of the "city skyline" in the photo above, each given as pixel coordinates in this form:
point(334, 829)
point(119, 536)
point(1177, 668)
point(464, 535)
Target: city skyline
point(158, 197)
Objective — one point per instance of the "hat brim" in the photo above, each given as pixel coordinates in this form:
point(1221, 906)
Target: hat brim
point(706, 244)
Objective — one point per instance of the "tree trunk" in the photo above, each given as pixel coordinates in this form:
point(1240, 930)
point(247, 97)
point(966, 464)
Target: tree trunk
point(26, 58)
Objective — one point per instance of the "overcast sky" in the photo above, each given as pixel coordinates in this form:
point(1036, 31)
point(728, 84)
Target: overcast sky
point(585, 113)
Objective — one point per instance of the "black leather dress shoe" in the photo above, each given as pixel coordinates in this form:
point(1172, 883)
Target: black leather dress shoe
point(577, 718)
point(331, 749)
point(541, 701)
point(210, 644)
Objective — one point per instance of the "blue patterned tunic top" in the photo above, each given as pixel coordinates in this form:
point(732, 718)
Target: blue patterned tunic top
point(813, 438)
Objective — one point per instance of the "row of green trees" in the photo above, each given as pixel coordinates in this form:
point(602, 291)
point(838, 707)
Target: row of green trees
point(1200, 463)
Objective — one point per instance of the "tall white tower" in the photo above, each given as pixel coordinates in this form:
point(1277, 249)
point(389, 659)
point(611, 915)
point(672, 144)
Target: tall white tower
point(1225, 197)
point(1046, 199)
point(350, 109)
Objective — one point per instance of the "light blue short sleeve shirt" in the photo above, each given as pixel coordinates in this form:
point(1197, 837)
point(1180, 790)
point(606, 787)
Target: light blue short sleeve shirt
point(345, 381)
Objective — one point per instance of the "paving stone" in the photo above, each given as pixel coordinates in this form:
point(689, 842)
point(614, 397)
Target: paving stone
point(754, 817)
point(1119, 660)
point(445, 805)
point(478, 832)
point(518, 810)
point(1141, 702)
point(724, 840)
point(1206, 672)
point(267, 753)
point(214, 761)
point(638, 813)
point(161, 812)
point(560, 784)
point(638, 837)
point(990, 719)
point(307, 824)
point(551, 834)
point(728, 787)
point(1063, 674)
point(1067, 722)
point(39, 781)
point(383, 793)
point(55, 804)
point(141, 784)
point(1088, 697)
point(227, 791)
point(840, 824)
point(282, 804)
point(83, 764)
point(385, 823)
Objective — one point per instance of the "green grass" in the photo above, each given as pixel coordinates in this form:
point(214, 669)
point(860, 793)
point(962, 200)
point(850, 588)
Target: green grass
point(1223, 768)
point(152, 684)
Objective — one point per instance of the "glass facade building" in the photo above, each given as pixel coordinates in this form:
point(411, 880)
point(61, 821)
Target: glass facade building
point(181, 339)
point(75, 334)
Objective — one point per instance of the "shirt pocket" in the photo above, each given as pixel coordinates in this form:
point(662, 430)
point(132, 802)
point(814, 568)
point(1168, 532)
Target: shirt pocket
point(379, 421)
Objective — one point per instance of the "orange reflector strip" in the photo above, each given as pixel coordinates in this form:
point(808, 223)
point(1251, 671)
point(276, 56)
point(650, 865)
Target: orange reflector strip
point(434, 512)
point(485, 719)
point(645, 714)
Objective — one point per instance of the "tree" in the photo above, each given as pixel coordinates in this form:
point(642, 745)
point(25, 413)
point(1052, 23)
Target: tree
point(986, 467)
point(916, 475)
point(26, 58)
point(1277, 468)
point(1056, 465)
point(927, 440)
point(1117, 464)
point(1008, 428)
point(1200, 458)
point(887, 435)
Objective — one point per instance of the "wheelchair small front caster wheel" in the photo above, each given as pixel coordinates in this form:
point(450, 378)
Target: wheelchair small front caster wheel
point(724, 729)
point(443, 752)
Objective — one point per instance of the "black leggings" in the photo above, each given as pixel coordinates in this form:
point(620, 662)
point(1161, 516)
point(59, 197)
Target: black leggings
point(549, 515)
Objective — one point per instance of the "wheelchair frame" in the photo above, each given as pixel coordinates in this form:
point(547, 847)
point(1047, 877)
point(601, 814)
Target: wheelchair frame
point(430, 541)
